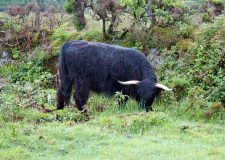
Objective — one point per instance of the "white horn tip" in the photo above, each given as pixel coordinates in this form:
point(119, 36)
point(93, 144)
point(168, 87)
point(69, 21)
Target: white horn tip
point(165, 88)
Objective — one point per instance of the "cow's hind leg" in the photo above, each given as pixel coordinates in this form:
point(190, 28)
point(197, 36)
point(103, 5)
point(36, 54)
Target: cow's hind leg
point(81, 93)
point(63, 94)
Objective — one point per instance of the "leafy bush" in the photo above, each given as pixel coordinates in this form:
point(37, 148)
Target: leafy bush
point(186, 30)
point(201, 66)
point(26, 72)
point(95, 36)
point(157, 37)
point(165, 36)
point(61, 35)
point(216, 2)
point(65, 33)
point(69, 6)
point(9, 23)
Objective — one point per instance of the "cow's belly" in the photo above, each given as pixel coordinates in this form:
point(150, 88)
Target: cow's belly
point(108, 87)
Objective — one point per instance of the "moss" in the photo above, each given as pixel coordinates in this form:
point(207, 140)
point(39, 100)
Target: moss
point(61, 35)
point(206, 17)
point(181, 86)
point(216, 2)
point(92, 36)
point(185, 44)
point(214, 109)
point(69, 6)
point(36, 38)
point(216, 106)
point(174, 3)
point(79, 21)
point(165, 36)
point(219, 36)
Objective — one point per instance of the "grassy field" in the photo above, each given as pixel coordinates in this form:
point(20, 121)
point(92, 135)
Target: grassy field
point(109, 132)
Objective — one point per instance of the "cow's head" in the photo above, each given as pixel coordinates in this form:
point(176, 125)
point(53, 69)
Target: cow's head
point(147, 91)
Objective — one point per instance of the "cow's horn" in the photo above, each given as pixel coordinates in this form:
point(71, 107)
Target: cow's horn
point(163, 87)
point(129, 82)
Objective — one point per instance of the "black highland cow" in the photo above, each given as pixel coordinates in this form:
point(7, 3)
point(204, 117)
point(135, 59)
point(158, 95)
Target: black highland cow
point(105, 68)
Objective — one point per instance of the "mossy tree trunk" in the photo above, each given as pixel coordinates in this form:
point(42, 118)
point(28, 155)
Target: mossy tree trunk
point(111, 26)
point(151, 13)
point(79, 14)
point(105, 35)
point(37, 15)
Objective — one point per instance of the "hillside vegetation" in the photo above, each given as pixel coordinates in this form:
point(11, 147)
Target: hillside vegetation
point(186, 124)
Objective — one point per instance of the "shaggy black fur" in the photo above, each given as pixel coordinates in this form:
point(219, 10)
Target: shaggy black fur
point(97, 67)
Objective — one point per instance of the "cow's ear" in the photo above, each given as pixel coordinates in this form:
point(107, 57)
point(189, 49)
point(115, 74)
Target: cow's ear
point(163, 87)
point(132, 82)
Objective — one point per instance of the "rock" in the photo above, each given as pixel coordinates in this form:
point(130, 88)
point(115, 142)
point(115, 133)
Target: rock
point(3, 83)
point(52, 64)
point(154, 58)
point(28, 87)
point(4, 55)
point(4, 58)
point(1, 23)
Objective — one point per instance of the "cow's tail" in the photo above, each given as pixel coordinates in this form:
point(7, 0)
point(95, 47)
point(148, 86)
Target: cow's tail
point(65, 85)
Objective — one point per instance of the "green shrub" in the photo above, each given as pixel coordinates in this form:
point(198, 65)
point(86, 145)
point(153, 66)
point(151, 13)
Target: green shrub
point(174, 3)
point(165, 36)
point(61, 35)
point(69, 6)
point(10, 23)
point(206, 17)
point(163, 18)
point(15, 53)
point(216, 2)
point(65, 33)
point(181, 86)
point(26, 72)
point(186, 30)
point(95, 36)
point(185, 45)
point(120, 98)
point(199, 69)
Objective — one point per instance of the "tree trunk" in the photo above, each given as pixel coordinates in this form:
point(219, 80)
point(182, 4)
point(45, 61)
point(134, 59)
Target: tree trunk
point(105, 35)
point(150, 12)
point(79, 14)
point(110, 28)
point(37, 15)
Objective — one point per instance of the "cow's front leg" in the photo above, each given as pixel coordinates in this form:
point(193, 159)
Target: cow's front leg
point(147, 105)
point(148, 109)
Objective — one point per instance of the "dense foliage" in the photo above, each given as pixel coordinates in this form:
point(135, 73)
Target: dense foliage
point(6, 3)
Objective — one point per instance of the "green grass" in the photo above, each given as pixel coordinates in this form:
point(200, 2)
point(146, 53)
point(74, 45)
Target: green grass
point(83, 141)
point(111, 133)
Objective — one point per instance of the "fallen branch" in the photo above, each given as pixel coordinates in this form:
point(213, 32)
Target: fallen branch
point(186, 110)
point(45, 110)
point(9, 45)
point(30, 104)
point(131, 114)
